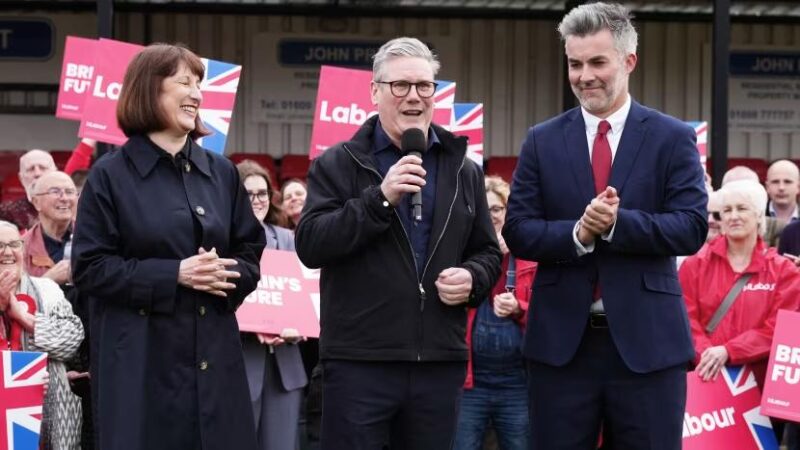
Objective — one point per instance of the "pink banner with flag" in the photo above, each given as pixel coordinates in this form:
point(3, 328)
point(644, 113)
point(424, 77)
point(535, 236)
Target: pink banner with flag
point(77, 77)
point(287, 296)
point(725, 413)
point(781, 397)
point(91, 79)
point(344, 103)
point(701, 130)
point(21, 398)
point(467, 120)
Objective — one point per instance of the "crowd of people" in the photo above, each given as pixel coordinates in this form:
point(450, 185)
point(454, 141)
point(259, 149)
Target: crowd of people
point(560, 309)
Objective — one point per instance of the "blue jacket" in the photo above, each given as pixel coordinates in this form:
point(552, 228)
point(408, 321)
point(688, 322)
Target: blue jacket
point(662, 213)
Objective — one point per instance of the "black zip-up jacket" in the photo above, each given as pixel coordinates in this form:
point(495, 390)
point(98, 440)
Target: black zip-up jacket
point(374, 305)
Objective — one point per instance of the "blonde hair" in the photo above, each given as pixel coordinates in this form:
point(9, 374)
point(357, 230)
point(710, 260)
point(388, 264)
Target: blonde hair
point(499, 187)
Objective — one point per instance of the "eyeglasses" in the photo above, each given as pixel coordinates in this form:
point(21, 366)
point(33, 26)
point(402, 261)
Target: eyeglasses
point(401, 88)
point(716, 215)
point(58, 192)
point(494, 210)
point(262, 196)
point(13, 245)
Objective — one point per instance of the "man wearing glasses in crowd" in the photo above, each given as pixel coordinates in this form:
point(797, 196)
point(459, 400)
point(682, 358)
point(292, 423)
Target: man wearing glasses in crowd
point(394, 288)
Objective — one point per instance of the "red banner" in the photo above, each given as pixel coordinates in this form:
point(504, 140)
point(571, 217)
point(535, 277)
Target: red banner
point(99, 120)
point(344, 102)
point(286, 297)
point(77, 77)
point(724, 414)
point(781, 389)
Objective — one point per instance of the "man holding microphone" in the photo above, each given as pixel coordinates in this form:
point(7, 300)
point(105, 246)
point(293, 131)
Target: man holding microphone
point(398, 269)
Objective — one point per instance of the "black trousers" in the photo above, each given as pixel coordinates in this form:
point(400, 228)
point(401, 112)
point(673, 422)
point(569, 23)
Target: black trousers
point(570, 404)
point(405, 405)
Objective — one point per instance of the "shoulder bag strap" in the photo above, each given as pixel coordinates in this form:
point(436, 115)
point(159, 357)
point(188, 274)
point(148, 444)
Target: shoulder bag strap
point(727, 302)
point(511, 274)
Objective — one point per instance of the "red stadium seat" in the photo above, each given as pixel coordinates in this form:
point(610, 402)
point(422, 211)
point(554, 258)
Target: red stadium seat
point(265, 160)
point(12, 189)
point(294, 166)
point(61, 157)
point(502, 166)
point(758, 165)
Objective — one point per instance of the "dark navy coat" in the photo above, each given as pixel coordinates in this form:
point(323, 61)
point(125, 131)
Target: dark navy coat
point(166, 360)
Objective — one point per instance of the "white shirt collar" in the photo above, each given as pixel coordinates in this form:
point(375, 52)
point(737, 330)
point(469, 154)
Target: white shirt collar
point(616, 120)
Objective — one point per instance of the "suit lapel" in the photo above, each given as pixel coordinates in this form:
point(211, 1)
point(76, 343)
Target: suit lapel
point(578, 154)
point(629, 146)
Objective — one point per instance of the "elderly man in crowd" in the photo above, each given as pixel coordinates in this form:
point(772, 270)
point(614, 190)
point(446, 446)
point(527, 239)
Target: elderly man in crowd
point(55, 199)
point(32, 165)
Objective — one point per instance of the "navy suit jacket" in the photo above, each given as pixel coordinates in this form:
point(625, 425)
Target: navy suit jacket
point(659, 179)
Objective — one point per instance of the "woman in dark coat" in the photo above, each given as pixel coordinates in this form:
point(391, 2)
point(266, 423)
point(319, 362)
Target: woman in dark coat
point(167, 247)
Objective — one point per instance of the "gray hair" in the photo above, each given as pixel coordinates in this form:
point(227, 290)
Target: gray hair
point(753, 192)
point(592, 18)
point(738, 173)
point(7, 224)
point(400, 47)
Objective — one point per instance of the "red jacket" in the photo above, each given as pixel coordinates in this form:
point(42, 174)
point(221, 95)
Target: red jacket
point(747, 328)
point(526, 270)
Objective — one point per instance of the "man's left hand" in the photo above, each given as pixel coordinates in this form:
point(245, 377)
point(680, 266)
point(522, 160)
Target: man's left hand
point(454, 285)
point(601, 214)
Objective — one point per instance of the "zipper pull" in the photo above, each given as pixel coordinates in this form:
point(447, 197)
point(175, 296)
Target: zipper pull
point(421, 298)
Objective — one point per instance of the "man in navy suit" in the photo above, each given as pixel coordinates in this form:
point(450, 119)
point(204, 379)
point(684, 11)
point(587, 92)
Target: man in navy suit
point(604, 197)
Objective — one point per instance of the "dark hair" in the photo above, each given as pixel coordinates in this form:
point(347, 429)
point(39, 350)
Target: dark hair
point(138, 108)
point(249, 168)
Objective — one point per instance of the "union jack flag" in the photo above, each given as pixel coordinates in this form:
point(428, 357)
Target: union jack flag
point(701, 130)
point(443, 100)
point(742, 382)
point(21, 399)
point(467, 120)
point(219, 95)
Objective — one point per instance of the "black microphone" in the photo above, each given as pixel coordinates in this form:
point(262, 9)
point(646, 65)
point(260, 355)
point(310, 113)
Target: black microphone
point(413, 143)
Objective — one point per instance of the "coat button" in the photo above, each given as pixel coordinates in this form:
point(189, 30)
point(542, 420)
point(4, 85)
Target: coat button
point(200, 211)
point(202, 310)
point(187, 167)
point(142, 312)
point(203, 365)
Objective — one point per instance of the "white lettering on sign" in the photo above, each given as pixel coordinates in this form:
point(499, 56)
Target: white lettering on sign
point(111, 91)
point(352, 115)
point(759, 287)
point(787, 360)
point(5, 33)
point(694, 425)
point(775, 401)
point(773, 64)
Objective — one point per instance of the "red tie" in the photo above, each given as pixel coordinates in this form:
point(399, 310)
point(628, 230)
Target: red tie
point(601, 157)
point(601, 168)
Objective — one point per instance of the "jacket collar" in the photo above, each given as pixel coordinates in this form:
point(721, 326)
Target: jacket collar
point(144, 154)
point(629, 145)
point(719, 248)
point(361, 142)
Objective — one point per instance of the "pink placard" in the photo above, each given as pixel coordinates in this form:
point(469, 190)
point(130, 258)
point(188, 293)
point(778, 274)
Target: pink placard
point(725, 413)
point(99, 119)
point(344, 103)
point(287, 296)
point(77, 77)
point(782, 385)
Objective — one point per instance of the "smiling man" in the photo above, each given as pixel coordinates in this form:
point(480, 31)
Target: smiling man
point(395, 288)
point(55, 198)
point(604, 196)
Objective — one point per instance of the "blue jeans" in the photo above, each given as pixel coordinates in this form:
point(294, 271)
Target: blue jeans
point(505, 407)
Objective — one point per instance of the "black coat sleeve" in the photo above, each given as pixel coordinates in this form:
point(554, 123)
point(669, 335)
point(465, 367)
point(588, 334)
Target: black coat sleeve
point(97, 265)
point(482, 252)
